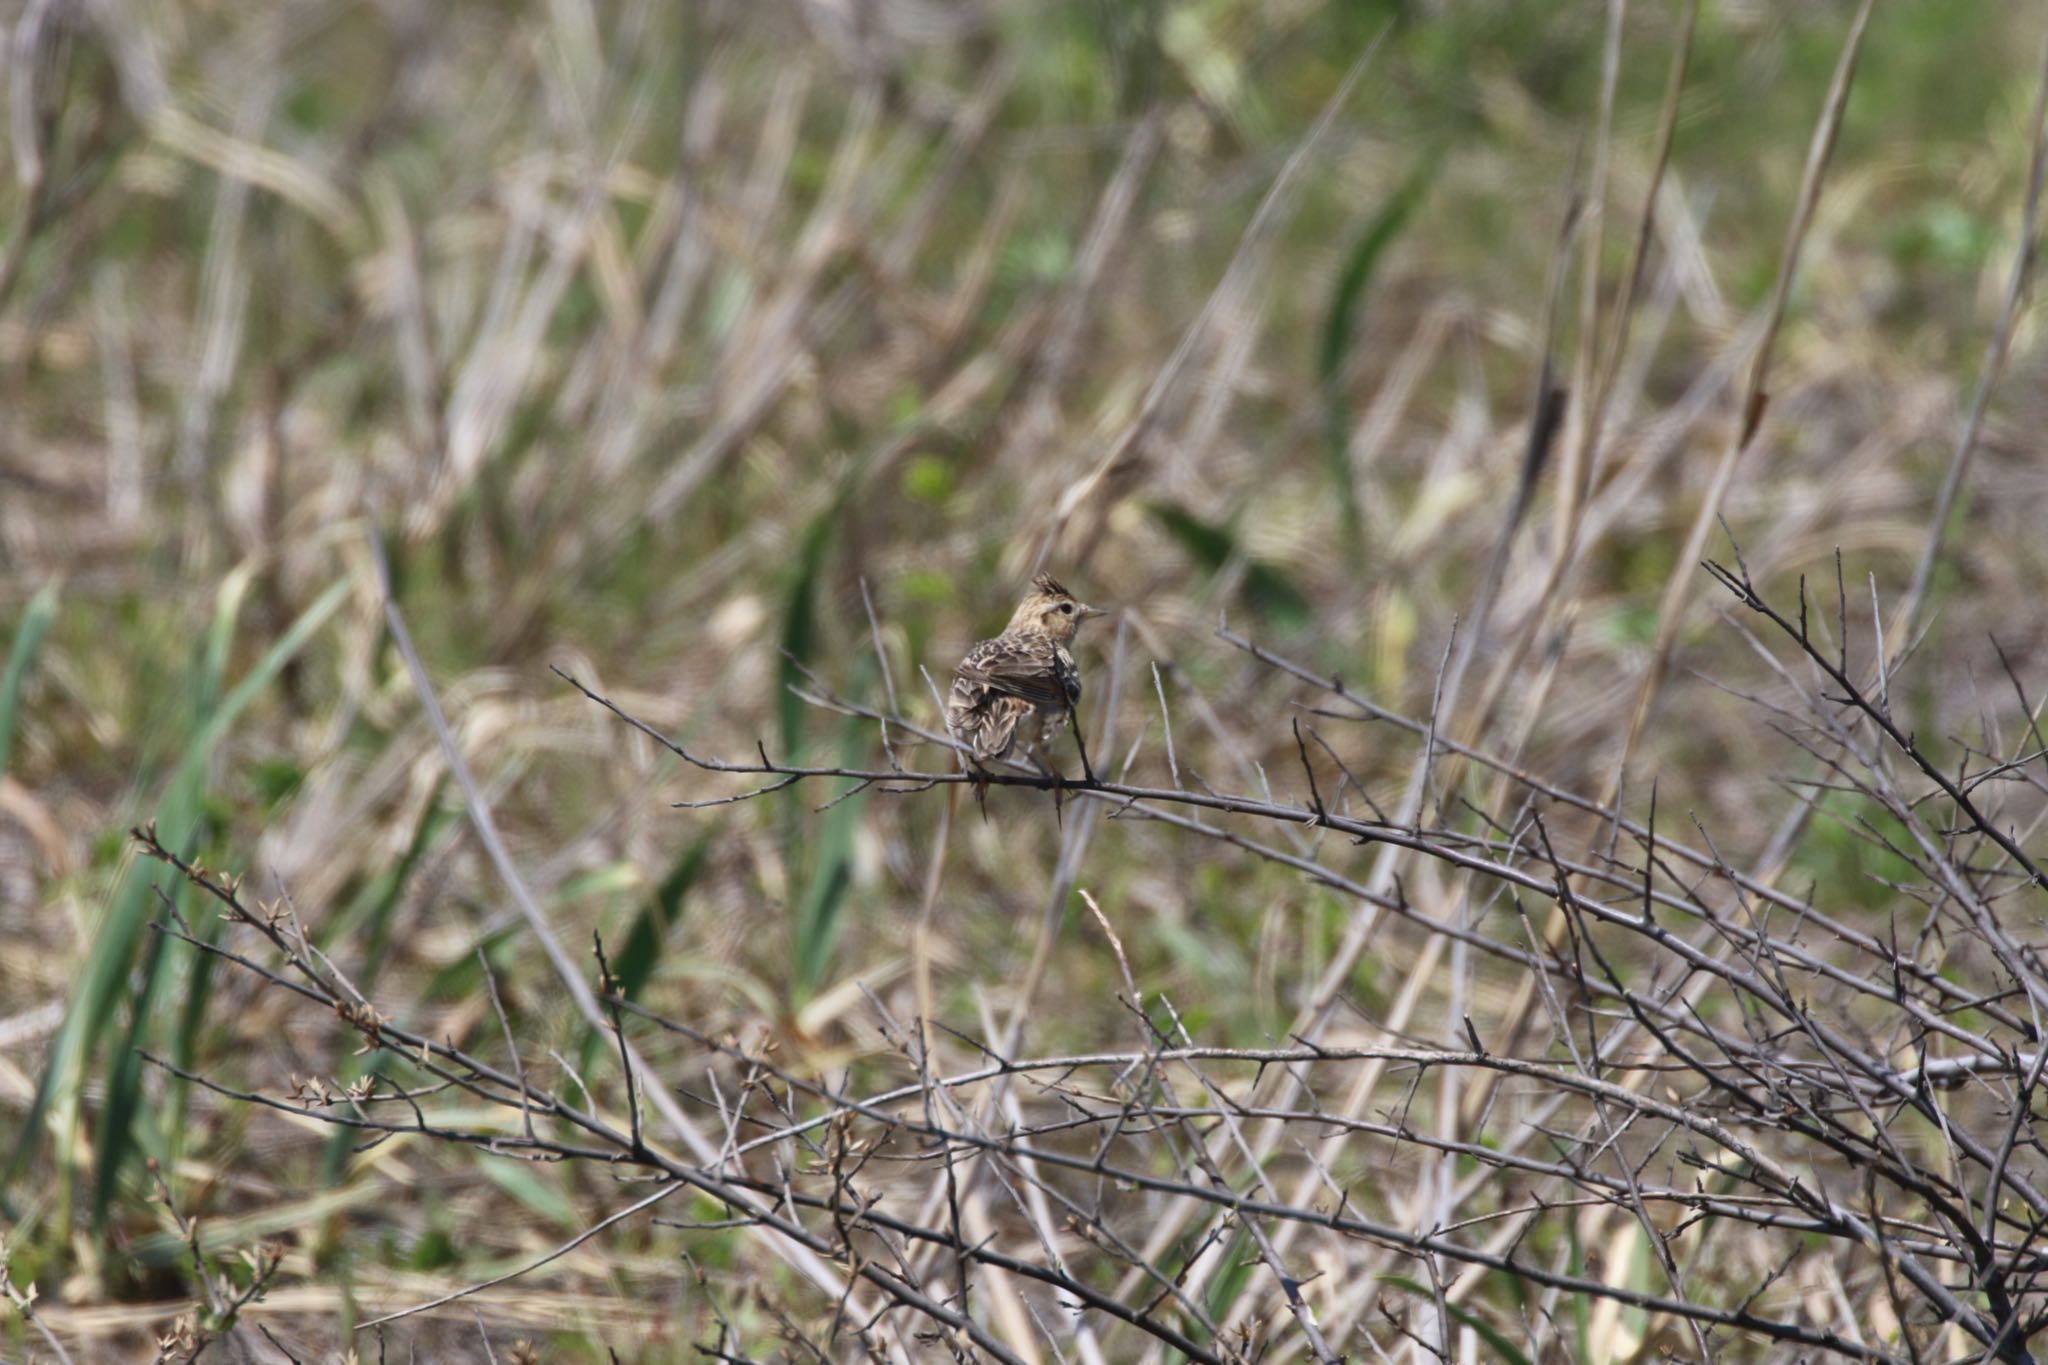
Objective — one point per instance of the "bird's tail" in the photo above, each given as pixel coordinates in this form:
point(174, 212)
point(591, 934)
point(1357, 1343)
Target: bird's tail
point(978, 780)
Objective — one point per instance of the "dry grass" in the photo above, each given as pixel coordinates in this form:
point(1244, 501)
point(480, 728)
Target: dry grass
point(649, 338)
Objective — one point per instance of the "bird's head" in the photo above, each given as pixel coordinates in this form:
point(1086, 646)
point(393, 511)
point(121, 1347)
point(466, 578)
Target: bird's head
point(1050, 608)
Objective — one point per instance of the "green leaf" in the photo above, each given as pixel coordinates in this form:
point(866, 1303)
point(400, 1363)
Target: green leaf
point(928, 479)
point(275, 779)
point(434, 1250)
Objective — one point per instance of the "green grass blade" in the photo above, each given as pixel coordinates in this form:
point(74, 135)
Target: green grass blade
point(634, 963)
point(28, 638)
point(367, 921)
point(1582, 1306)
point(800, 631)
point(1265, 590)
point(191, 1022)
point(263, 675)
point(1503, 1348)
point(536, 1186)
point(220, 638)
point(642, 949)
point(1235, 1276)
point(1341, 326)
point(816, 928)
point(118, 1113)
point(179, 825)
point(102, 978)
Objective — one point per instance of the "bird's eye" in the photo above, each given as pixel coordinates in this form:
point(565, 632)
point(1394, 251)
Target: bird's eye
point(1066, 608)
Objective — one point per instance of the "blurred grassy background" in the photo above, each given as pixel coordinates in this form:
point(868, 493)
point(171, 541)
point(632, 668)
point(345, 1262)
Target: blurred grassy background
point(648, 332)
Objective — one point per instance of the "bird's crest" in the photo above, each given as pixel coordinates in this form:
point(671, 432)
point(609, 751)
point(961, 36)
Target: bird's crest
point(1049, 585)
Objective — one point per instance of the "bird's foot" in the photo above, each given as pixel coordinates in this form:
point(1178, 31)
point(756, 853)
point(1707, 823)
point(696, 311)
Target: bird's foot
point(1059, 785)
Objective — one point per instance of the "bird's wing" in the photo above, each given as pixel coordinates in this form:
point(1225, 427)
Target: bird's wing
point(1024, 667)
point(1000, 682)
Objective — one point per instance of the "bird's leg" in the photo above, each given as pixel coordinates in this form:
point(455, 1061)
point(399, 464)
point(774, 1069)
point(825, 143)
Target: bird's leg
point(1081, 743)
point(1059, 783)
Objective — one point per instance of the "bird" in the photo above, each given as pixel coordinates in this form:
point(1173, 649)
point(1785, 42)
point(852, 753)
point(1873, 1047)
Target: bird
point(1020, 688)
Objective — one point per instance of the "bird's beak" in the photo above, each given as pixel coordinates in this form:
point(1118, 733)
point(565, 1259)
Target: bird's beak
point(1088, 612)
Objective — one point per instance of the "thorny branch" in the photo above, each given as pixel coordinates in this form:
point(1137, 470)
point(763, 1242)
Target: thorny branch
point(1727, 1056)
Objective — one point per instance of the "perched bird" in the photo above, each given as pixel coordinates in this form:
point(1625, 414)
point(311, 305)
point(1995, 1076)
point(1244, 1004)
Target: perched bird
point(1021, 687)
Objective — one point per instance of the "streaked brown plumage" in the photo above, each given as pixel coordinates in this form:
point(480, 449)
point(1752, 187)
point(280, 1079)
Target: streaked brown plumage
point(1020, 687)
